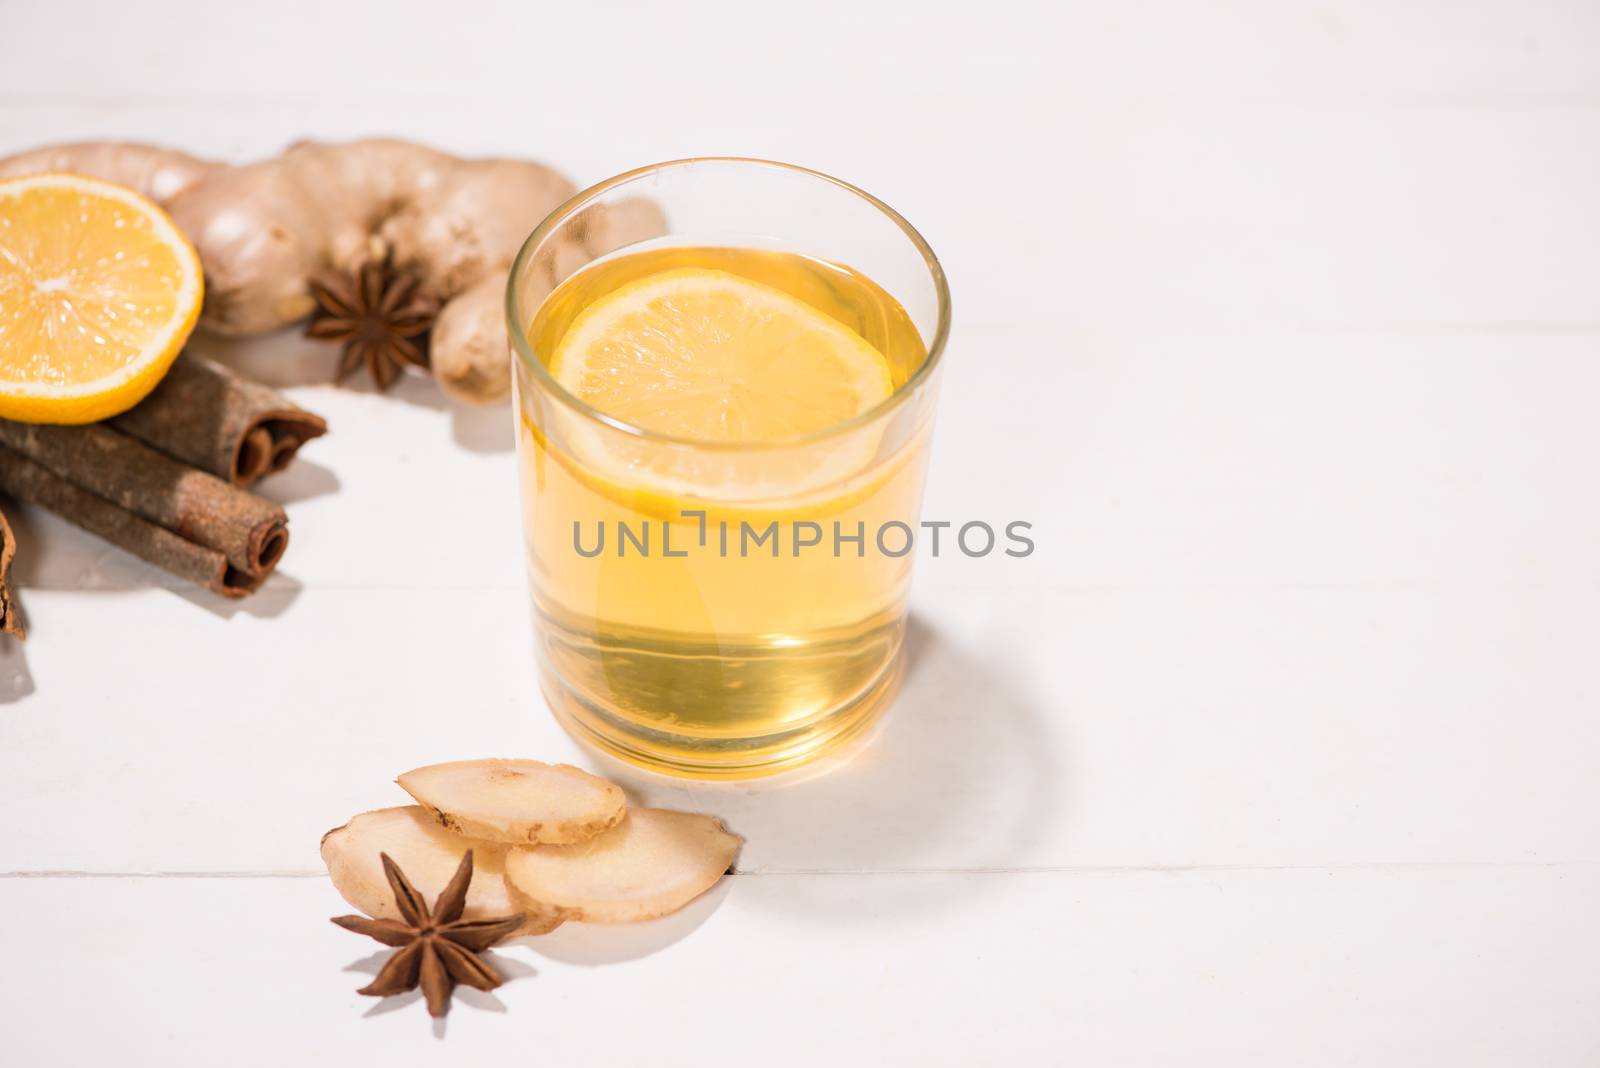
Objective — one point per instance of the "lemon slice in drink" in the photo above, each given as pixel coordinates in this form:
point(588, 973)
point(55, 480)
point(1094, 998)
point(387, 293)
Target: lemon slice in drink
point(98, 292)
point(711, 356)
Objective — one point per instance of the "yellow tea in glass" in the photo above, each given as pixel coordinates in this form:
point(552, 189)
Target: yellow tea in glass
point(725, 374)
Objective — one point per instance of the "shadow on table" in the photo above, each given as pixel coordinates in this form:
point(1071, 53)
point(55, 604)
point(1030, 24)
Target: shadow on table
point(572, 943)
point(960, 777)
point(302, 481)
point(16, 681)
point(269, 602)
point(509, 969)
point(282, 359)
point(483, 428)
point(287, 358)
point(602, 943)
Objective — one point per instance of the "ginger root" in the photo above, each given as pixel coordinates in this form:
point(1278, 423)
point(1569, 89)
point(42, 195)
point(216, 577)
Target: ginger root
point(428, 854)
point(517, 802)
point(262, 229)
point(650, 865)
point(549, 840)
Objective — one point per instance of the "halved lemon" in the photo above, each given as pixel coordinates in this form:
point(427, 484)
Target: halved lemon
point(711, 356)
point(98, 292)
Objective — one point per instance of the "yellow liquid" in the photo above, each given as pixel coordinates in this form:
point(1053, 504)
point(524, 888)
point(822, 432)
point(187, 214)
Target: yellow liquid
point(726, 661)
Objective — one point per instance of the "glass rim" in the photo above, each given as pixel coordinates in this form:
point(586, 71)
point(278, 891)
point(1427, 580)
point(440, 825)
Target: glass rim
point(580, 200)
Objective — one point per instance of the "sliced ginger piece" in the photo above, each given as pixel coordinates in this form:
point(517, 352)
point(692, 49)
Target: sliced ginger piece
point(652, 863)
point(517, 801)
point(429, 855)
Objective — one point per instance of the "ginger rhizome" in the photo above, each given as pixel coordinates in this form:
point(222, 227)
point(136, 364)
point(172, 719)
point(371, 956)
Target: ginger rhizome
point(549, 840)
point(517, 802)
point(262, 229)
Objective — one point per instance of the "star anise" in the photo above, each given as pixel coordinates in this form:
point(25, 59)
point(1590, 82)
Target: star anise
point(437, 951)
point(379, 315)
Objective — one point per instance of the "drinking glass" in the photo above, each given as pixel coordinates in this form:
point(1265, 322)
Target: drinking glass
point(676, 645)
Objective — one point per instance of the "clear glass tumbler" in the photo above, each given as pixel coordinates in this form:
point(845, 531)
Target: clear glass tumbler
point(732, 608)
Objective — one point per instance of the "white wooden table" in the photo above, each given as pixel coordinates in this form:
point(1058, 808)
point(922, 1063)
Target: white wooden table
point(1281, 322)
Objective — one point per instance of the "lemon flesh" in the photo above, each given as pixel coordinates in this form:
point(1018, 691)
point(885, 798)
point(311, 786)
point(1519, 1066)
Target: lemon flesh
point(98, 293)
point(707, 355)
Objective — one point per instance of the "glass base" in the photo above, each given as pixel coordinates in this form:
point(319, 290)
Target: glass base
point(693, 757)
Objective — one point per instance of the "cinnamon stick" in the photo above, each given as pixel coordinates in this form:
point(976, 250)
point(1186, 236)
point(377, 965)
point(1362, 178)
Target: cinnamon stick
point(179, 518)
point(208, 417)
point(10, 619)
point(25, 480)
